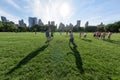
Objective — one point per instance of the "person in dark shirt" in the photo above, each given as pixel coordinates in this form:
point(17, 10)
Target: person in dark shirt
point(71, 39)
point(47, 36)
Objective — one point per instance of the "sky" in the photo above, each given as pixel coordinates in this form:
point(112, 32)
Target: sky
point(65, 11)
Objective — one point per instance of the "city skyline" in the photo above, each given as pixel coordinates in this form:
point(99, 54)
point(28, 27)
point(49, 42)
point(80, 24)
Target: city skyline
point(65, 11)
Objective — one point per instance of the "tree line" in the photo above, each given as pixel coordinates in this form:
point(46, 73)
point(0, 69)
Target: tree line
point(114, 27)
point(11, 27)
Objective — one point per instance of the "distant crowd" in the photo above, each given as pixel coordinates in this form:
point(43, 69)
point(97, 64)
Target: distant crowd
point(97, 35)
point(102, 35)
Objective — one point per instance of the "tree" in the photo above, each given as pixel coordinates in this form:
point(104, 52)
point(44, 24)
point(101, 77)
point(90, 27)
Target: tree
point(22, 29)
point(101, 29)
point(9, 27)
point(90, 28)
point(113, 27)
point(1, 26)
point(53, 28)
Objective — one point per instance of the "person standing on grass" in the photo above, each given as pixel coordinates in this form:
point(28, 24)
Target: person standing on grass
point(99, 34)
point(84, 35)
point(80, 35)
point(47, 36)
point(66, 32)
point(52, 34)
point(71, 39)
point(94, 35)
point(103, 36)
point(35, 31)
point(109, 35)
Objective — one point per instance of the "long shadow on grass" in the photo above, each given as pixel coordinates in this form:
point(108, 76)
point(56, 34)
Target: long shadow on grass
point(87, 40)
point(113, 41)
point(26, 59)
point(78, 59)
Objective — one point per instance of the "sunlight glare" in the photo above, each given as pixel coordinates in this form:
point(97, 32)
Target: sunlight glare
point(65, 10)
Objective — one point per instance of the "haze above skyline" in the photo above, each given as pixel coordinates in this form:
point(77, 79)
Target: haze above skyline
point(66, 11)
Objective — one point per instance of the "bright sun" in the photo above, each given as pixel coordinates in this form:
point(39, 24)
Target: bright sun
point(64, 10)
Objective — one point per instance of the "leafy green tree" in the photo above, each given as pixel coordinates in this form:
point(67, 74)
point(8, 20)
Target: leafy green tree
point(9, 27)
point(113, 27)
point(22, 29)
point(53, 28)
point(1, 26)
point(90, 28)
point(101, 29)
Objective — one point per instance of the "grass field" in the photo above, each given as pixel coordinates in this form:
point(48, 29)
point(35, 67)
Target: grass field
point(25, 56)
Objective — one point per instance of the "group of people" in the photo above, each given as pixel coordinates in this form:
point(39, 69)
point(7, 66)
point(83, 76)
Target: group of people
point(97, 35)
point(101, 35)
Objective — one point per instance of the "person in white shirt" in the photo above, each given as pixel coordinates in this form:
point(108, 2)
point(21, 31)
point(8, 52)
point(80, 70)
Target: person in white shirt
point(109, 35)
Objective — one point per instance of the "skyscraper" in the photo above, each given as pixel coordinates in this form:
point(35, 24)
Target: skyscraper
point(4, 19)
point(40, 22)
point(101, 24)
point(48, 23)
point(32, 21)
point(78, 23)
point(53, 23)
point(61, 27)
point(21, 23)
point(86, 24)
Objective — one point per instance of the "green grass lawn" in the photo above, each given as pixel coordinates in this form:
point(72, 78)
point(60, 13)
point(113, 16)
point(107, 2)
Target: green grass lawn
point(25, 56)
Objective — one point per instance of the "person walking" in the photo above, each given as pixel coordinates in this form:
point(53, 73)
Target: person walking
point(47, 36)
point(71, 39)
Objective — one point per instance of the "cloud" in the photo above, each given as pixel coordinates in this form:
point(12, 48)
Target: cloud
point(97, 11)
point(49, 10)
point(111, 18)
point(9, 16)
point(11, 2)
point(96, 20)
point(53, 10)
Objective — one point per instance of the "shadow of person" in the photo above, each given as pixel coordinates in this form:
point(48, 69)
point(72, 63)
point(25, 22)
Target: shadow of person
point(26, 59)
point(78, 59)
point(113, 41)
point(73, 43)
point(88, 40)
